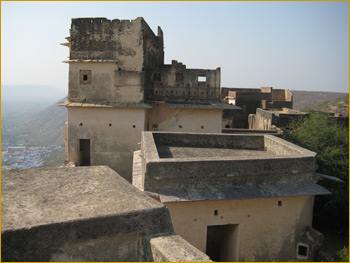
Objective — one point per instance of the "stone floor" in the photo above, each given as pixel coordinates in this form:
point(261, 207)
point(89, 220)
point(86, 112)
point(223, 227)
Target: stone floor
point(192, 152)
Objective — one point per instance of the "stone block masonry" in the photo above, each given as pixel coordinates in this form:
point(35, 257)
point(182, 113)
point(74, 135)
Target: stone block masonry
point(80, 214)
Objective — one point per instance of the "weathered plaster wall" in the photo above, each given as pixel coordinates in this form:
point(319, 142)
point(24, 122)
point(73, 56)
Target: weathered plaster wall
point(114, 134)
point(163, 118)
point(262, 120)
point(265, 119)
point(100, 38)
point(108, 84)
point(153, 46)
point(178, 84)
point(266, 231)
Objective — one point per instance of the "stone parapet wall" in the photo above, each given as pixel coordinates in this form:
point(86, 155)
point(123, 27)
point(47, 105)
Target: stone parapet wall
point(173, 248)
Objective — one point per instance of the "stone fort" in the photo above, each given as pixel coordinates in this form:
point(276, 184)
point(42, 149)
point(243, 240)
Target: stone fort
point(149, 174)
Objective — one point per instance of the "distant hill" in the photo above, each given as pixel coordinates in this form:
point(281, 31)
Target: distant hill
point(24, 99)
point(44, 128)
point(304, 99)
point(339, 106)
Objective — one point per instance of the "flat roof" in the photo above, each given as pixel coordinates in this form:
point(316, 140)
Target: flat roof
point(194, 152)
point(179, 167)
point(91, 60)
point(49, 196)
point(218, 105)
point(237, 193)
point(106, 104)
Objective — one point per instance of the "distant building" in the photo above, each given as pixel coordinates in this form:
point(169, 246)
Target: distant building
point(269, 119)
point(12, 149)
point(119, 86)
point(251, 99)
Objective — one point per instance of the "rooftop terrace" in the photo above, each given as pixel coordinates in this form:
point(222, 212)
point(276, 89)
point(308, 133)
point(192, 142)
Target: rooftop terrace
point(84, 214)
point(194, 167)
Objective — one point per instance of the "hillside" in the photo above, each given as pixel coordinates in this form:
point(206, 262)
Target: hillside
point(303, 99)
point(338, 106)
point(44, 128)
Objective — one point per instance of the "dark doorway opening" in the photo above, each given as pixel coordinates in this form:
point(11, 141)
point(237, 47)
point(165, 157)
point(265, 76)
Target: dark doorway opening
point(84, 152)
point(222, 243)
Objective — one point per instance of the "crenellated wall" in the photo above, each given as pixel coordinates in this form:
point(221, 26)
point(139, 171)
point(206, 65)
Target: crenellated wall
point(176, 83)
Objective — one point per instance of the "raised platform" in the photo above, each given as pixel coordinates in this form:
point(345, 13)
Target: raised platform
point(195, 167)
point(82, 214)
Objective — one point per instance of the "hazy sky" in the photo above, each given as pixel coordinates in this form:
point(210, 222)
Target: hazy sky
point(286, 45)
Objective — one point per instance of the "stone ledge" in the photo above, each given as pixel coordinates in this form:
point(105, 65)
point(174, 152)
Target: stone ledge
point(173, 248)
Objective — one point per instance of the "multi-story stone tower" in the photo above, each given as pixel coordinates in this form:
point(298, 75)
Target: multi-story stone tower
point(119, 86)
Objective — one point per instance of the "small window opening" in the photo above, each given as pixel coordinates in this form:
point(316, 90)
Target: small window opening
point(110, 124)
point(195, 93)
point(212, 93)
point(216, 212)
point(227, 126)
point(202, 77)
point(85, 77)
point(202, 127)
point(302, 250)
point(134, 126)
point(155, 125)
point(279, 203)
point(157, 77)
point(180, 126)
point(171, 92)
point(202, 93)
point(186, 99)
point(179, 76)
point(189, 93)
point(81, 124)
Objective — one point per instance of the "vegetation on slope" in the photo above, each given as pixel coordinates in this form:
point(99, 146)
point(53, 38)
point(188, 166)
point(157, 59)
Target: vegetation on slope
point(340, 105)
point(331, 143)
point(302, 99)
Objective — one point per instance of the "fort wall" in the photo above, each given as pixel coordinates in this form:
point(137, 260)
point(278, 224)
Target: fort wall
point(267, 229)
point(113, 135)
point(164, 118)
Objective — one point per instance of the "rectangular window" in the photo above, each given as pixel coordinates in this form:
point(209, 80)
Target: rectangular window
point(157, 77)
point(202, 77)
point(85, 77)
point(179, 76)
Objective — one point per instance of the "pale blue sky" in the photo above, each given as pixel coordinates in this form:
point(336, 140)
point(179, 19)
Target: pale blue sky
point(286, 45)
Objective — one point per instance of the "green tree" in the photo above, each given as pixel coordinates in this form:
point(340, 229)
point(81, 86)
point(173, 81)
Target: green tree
point(330, 141)
point(343, 254)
